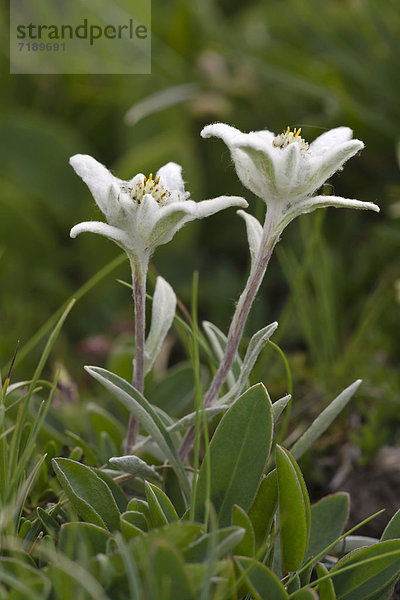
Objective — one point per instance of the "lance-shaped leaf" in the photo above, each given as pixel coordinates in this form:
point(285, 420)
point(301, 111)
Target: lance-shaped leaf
point(254, 348)
point(246, 546)
point(294, 510)
point(254, 233)
point(89, 495)
point(279, 406)
point(262, 583)
point(237, 455)
point(162, 316)
point(373, 570)
point(328, 518)
point(323, 421)
point(392, 529)
point(145, 414)
point(218, 342)
point(326, 590)
point(135, 466)
point(306, 594)
point(222, 540)
point(161, 508)
point(263, 509)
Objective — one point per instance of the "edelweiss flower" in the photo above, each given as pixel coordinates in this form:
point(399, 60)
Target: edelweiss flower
point(142, 213)
point(285, 171)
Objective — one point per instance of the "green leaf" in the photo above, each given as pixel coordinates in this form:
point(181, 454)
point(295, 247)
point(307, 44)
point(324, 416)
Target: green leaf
point(294, 510)
point(162, 317)
point(306, 594)
point(168, 579)
point(323, 421)
point(135, 466)
point(326, 590)
point(158, 500)
point(218, 341)
point(279, 406)
point(221, 541)
point(180, 534)
point(133, 523)
point(89, 494)
point(392, 529)
point(49, 523)
point(262, 583)
point(157, 515)
point(328, 518)
point(78, 539)
point(145, 414)
point(246, 546)
point(138, 505)
point(370, 576)
point(386, 592)
point(262, 510)
point(119, 496)
point(237, 455)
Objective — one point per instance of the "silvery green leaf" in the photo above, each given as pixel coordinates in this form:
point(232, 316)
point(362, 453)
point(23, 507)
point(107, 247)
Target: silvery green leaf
point(323, 421)
point(254, 233)
point(144, 412)
point(162, 316)
point(254, 348)
point(218, 341)
point(279, 406)
point(135, 466)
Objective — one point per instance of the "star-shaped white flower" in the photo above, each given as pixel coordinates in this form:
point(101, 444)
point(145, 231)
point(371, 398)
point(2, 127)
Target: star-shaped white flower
point(142, 213)
point(285, 171)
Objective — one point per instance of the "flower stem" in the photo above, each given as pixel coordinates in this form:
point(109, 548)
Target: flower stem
point(238, 323)
point(139, 296)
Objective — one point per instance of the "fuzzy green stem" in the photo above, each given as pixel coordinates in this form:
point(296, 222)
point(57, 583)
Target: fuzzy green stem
point(139, 275)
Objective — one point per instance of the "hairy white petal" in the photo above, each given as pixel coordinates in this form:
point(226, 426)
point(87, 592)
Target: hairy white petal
point(96, 176)
point(162, 317)
point(339, 135)
point(206, 208)
point(227, 133)
point(171, 177)
point(256, 170)
point(325, 165)
point(112, 233)
point(310, 204)
point(287, 168)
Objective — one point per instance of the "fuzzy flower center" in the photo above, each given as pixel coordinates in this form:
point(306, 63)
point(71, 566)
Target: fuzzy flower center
point(148, 186)
point(290, 137)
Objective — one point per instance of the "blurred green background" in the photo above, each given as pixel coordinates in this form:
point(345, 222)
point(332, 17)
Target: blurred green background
point(333, 283)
